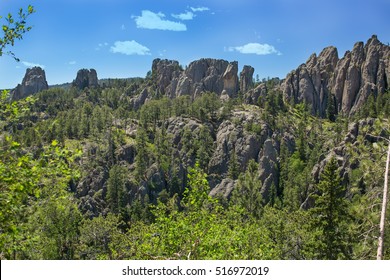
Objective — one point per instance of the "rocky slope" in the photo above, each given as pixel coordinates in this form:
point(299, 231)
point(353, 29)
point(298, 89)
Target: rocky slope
point(34, 81)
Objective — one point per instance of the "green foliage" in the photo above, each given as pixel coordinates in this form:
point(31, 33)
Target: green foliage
point(247, 193)
point(201, 231)
point(234, 167)
point(116, 189)
point(204, 147)
point(205, 106)
point(99, 238)
point(330, 215)
point(54, 200)
point(52, 229)
point(331, 107)
point(141, 159)
point(14, 29)
point(24, 181)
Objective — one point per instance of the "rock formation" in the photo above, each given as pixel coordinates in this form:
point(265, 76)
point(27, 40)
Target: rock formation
point(361, 72)
point(234, 138)
point(214, 75)
point(268, 160)
point(246, 78)
point(85, 78)
point(33, 82)
point(230, 80)
point(252, 96)
point(164, 71)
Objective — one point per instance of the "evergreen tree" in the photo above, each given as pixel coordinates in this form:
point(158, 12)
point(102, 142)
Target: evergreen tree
point(205, 146)
point(331, 108)
point(330, 215)
point(116, 189)
point(141, 159)
point(234, 167)
point(248, 191)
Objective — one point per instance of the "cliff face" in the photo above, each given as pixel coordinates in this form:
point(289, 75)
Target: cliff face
point(361, 72)
point(33, 82)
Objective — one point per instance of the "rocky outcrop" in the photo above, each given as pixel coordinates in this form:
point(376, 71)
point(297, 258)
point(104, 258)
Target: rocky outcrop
point(204, 75)
point(230, 80)
point(246, 78)
point(310, 82)
point(352, 79)
point(234, 138)
point(85, 78)
point(268, 168)
point(164, 71)
point(223, 189)
point(252, 96)
point(33, 82)
point(139, 99)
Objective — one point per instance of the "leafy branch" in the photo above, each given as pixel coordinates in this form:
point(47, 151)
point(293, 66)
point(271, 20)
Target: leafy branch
point(14, 29)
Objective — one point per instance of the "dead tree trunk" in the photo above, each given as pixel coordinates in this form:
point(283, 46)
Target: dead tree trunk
point(379, 255)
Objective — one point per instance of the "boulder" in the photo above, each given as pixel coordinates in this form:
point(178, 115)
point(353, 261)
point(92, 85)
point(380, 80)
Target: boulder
point(33, 82)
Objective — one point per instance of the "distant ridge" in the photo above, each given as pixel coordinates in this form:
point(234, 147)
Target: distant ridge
point(347, 82)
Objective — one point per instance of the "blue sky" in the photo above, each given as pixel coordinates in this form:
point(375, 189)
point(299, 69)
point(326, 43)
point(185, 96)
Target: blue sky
point(121, 38)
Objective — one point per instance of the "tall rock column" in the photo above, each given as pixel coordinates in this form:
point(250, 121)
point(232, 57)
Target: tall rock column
point(246, 78)
point(33, 82)
point(230, 80)
point(86, 78)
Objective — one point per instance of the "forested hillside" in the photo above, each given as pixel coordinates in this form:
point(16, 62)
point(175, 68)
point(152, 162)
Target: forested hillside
point(199, 163)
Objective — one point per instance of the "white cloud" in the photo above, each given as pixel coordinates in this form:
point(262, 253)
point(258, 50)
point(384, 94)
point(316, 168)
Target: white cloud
point(184, 16)
point(73, 62)
point(31, 64)
point(129, 48)
point(255, 48)
point(199, 9)
point(123, 27)
point(150, 20)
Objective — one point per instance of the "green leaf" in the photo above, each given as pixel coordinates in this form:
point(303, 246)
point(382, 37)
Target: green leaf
point(15, 144)
point(31, 9)
point(54, 143)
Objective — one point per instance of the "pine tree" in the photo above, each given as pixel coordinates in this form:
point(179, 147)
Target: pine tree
point(248, 191)
point(116, 189)
point(331, 108)
point(234, 167)
point(141, 159)
point(330, 215)
point(205, 146)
